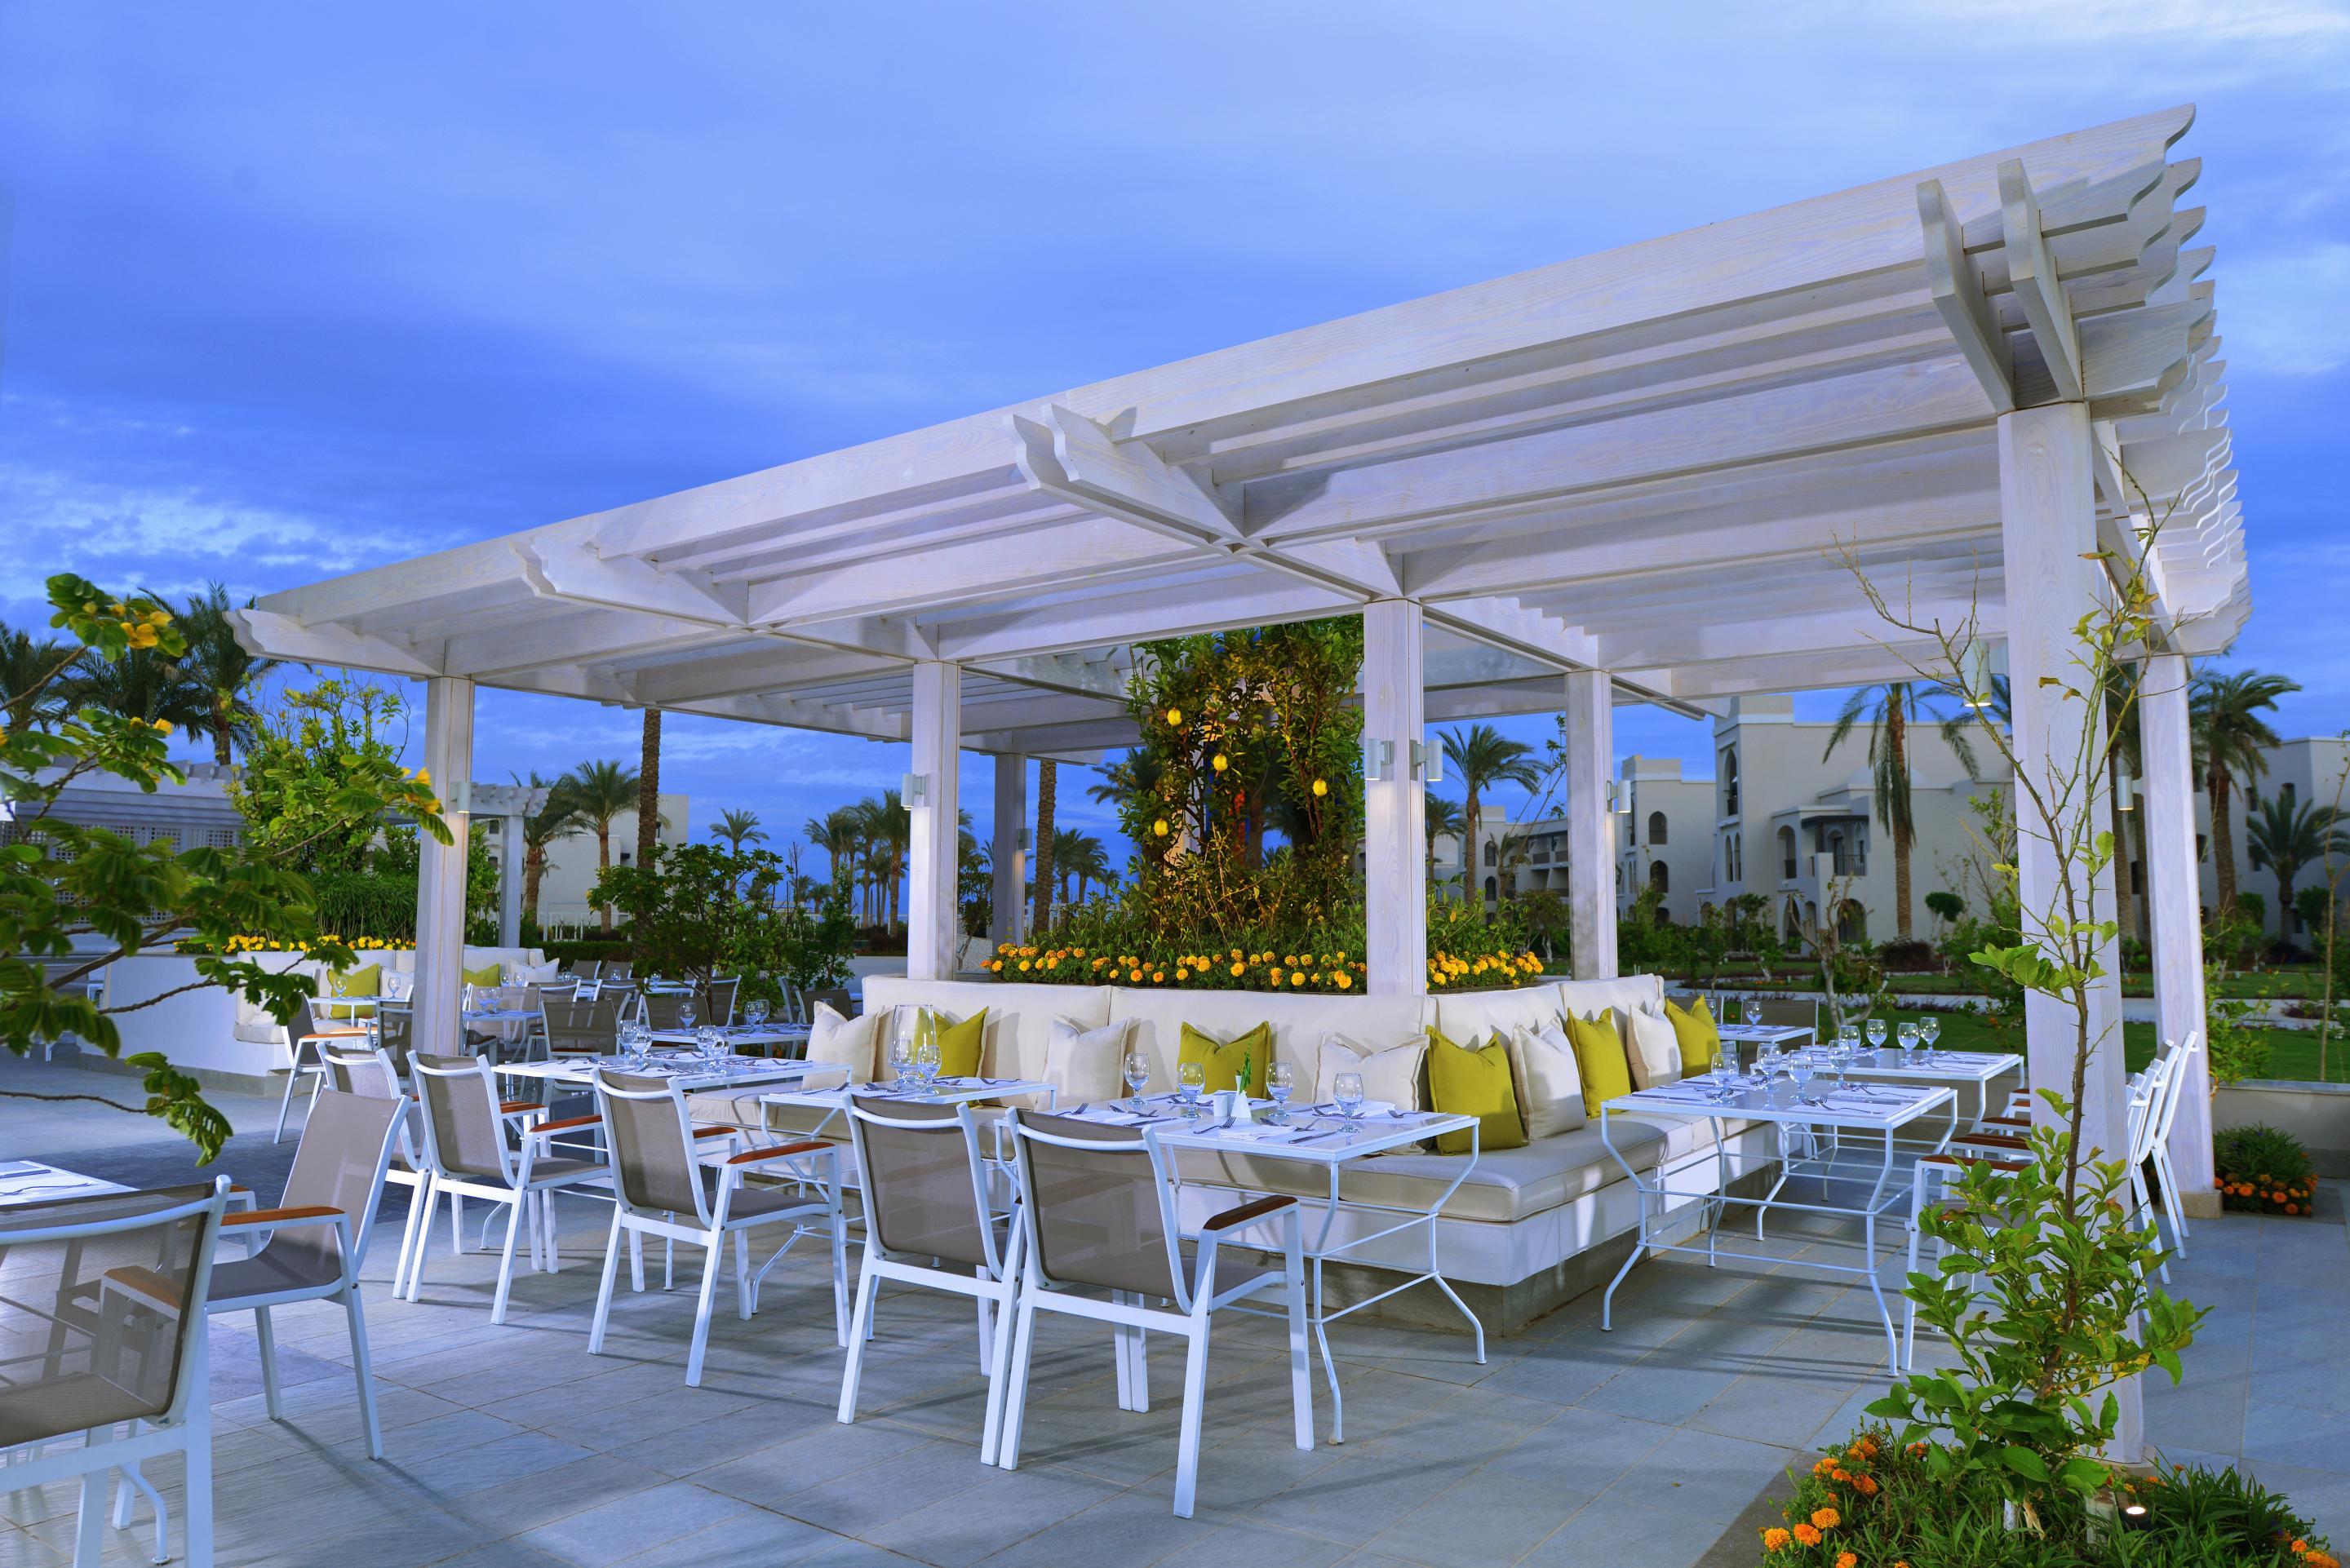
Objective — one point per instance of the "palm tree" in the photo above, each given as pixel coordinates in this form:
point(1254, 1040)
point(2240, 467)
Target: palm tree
point(893, 845)
point(738, 828)
point(836, 832)
point(2284, 838)
point(218, 664)
point(1443, 817)
point(1891, 709)
point(1481, 757)
point(649, 820)
point(597, 793)
point(557, 819)
point(1080, 858)
point(33, 673)
point(142, 684)
point(2224, 712)
point(1040, 876)
point(1093, 865)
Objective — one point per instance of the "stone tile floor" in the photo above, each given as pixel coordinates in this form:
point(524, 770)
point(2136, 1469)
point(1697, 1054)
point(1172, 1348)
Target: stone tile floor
point(511, 1445)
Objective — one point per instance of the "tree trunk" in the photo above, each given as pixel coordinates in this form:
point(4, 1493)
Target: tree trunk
point(221, 731)
point(2218, 787)
point(534, 868)
point(1041, 873)
point(2125, 884)
point(603, 864)
point(649, 792)
point(1897, 740)
point(1473, 885)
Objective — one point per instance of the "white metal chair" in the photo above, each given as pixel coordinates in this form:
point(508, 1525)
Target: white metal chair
point(465, 1150)
point(925, 1186)
point(2175, 1089)
point(663, 1188)
point(106, 1299)
point(317, 1235)
point(306, 1035)
point(356, 1070)
point(1097, 1209)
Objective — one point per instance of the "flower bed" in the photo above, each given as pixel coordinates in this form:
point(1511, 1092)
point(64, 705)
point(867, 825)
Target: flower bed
point(2262, 1171)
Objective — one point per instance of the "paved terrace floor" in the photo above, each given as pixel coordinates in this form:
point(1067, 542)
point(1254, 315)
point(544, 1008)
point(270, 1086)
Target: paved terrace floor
point(512, 1446)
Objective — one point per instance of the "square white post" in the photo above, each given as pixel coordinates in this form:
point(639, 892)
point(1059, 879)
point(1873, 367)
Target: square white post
point(1395, 810)
point(2047, 524)
point(441, 868)
point(2175, 909)
point(1009, 857)
point(510, 856)
point(933, 927)
point(1590, 723)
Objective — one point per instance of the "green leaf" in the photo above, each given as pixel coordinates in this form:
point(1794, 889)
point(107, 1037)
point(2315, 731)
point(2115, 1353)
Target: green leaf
point(2025, 1462)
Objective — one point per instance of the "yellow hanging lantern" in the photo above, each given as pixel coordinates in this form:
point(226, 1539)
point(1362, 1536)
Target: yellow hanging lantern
point(1175, 716)
point(1220, 762)
point(1321, 788)
point(1160, 827)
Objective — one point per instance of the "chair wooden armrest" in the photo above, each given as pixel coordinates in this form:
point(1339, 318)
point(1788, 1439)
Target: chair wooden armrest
point(807, 1145)
point(518, 1107)
point(1994, 1140)
point(1950, 1161)
point(716, 1132)
point(281, 1217)
point(340, 1034)
point(148, 1285)
point(1246, 1212)
point(567, 1124)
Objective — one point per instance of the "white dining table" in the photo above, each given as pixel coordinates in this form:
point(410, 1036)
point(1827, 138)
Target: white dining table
point(25, 1181)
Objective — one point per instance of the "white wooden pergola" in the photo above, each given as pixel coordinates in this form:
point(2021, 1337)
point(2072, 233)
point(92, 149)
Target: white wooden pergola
point(1620, 478)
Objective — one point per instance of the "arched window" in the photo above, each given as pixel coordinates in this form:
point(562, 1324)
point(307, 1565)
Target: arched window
point(1656, 827)
point(1787, 853)
point(1659, 878)
point(1730, 782)
point(1737, 858)
point(1493, 890)
point(1835, 853)
point(1852, 922)
point(1492, 853)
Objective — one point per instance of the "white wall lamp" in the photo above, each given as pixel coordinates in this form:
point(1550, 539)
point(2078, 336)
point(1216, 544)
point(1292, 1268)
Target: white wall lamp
point(461, 795)
point(1427, 761)
point(914, 790)
point(1379, 761)
point(2125, 788)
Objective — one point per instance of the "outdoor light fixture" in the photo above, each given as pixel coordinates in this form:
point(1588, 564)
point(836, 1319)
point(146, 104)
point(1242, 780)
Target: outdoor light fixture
point(1979, 690)
point(461, 795)
point(1379, 761)
point(914, 790)
point(2125, 788)
point(1619, 797)
point(1427, 763)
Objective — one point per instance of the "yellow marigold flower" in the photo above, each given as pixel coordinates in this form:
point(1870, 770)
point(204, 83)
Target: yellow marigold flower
point(1003, 947)
point(1159, 977)
point(1297, 980)
point(1341, 981)
point(1239, 969)
point(1175, 715)
point(1025, 964)
point(1136, 977)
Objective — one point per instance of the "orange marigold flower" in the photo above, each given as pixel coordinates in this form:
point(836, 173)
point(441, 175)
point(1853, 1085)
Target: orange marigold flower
point(1864, 1485)
point(1775, 1539)
point(1838, 1475)
point(1847, 1560)
point(1826, 1518)
point(1807, 1535)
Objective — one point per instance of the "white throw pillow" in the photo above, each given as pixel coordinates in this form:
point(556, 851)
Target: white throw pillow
point(1088, 1065)
point(1549, 1085)
point(1391, 1073)
point(532, 973)
point(1653, 1051)
point(399, 984)
point(851, 1043)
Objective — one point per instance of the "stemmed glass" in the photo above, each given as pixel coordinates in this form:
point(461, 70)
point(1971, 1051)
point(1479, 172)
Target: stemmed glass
point(1754, 1011)
point(711, 1042)
point(685, 1014)
point(1138, 1073)
point(1347, 1092)
point(1930, 1030)
point(1800, 1068)
point(1190, 1079)
point(1876, 1035)
point(754, 1013)
point(1908, 1034)
point(1280, 1079)
point(927, 1061)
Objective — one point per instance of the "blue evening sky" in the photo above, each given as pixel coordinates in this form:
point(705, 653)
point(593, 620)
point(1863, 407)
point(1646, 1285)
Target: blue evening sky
point(294, 289)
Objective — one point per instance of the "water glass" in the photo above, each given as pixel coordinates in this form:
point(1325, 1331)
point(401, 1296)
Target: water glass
point(1138, 1073)
point(1876, 1035)
point(1907, 1035)
point(1190, 1079)
point(1800, 1068)
point(1753, 1012)
point(755, 1013)
point(1280, 1080)
point(901, 1059)
point(927, 1062)
point(1930, 1030)
point(685, 1014)
point(1346, 1091)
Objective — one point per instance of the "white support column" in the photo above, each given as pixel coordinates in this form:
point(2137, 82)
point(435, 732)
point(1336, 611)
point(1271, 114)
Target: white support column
point(1395, 810)
point(510, 854)
point(2174, 906)
point(1010, 854)
point(441, 867)
point(2048, 523)
point(1590, 720)
point(933, 923)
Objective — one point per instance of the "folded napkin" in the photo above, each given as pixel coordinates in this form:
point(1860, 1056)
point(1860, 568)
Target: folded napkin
point(1259, 1132)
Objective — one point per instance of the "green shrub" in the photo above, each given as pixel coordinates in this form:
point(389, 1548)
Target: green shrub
point(1872, 1501)
point(2262, 1171)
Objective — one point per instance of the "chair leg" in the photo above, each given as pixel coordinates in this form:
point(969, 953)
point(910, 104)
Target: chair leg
point(505, 1262)
point(743, 1276)
point(2170, 1188)
point(457, 1225)
point(286, 1105)
point(603, 1291)
point(1301, 1373)
point(1015, 1395)
point(420, 1219)
point(637, 1262)
point(1118, 1357)
point(199, 1486)
point(90, 1520)
point(986, 1329)
point(268, 1337)
point(839, 1271)
point(868, 1284)
point(425, 1200)
point(1195, 1395)
point(999, 1373)
point(710, 1267)
point(364, 1369)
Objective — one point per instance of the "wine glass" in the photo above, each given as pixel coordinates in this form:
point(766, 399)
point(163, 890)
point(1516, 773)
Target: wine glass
point(1280, 1079)
point(1190, 1079)
point(1929, 1031)
point(1800, 1068)
point(755, 1013)
point(467, 999)
point(1754, 1011)
point(1346, 1091)
point(1876, 1035)
point(927, 1061)
point(1907, 1036)
point(1138, 1073)
point(685, 1014)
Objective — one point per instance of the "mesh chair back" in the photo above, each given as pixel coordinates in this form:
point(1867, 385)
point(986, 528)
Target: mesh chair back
point(591, 1026)
point(1783, 1014)
point(1095, 1212)
point(462, 1129)
point(835, 997)
point(621, 973)
point(719, 1006)
point(357, 1070)
point(340, 1164)
point(921, 1197)
point(304, 1023)
point(588, 972)
point(652, 1147)
point(100, 1308)
point(394, 1027)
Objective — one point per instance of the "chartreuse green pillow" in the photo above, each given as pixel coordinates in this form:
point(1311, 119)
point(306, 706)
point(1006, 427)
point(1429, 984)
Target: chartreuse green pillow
point(961, 1044)
point(1697, 1033)
point(488, 974)
point(1474, 1083)
point(1599, 1058)
point(367, 981)
point(1227, 1064)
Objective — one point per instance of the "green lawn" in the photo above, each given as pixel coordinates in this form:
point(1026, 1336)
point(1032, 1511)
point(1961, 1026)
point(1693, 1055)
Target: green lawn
point(2293, 1052)
point(2305, 981)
